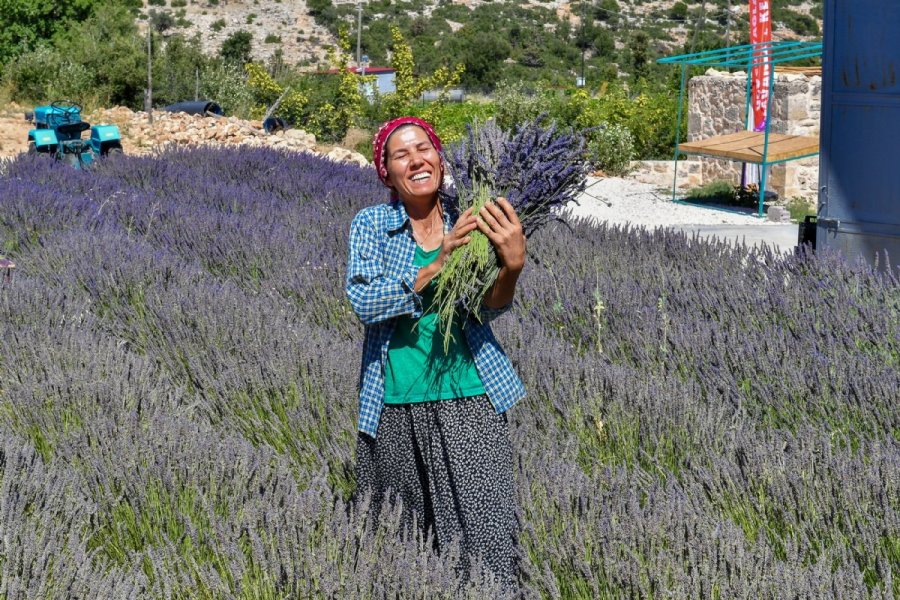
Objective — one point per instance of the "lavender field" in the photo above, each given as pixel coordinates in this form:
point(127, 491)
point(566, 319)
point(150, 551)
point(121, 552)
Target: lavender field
point(178, 371)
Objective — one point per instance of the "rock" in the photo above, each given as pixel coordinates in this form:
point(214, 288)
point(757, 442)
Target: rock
point(345, 155)
point(777, 214)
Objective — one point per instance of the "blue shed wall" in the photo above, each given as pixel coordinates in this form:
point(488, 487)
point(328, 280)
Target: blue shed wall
point(859, 200)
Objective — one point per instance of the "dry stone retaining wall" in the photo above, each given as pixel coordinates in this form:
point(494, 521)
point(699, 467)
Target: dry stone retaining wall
point(141, 137)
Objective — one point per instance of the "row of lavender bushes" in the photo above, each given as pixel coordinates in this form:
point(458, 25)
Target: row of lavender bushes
point(177, 401)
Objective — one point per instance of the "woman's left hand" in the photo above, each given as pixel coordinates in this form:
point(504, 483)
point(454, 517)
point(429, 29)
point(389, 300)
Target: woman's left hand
point(499, 222)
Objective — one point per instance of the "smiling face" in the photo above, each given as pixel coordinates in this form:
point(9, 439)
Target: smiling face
point(413, 165)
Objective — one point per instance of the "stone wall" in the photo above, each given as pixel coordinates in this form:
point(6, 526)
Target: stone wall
point(140, 137)
point(716, 106)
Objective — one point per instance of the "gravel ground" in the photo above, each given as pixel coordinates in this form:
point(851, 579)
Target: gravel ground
point(619, 201)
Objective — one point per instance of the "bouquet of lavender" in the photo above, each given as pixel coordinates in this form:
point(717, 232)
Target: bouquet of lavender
point(537, 168)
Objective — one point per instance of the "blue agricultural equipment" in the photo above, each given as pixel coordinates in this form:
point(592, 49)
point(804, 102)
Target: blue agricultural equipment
point(57, 132)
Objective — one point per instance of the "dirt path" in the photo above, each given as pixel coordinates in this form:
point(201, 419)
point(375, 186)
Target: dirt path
point(13, 131)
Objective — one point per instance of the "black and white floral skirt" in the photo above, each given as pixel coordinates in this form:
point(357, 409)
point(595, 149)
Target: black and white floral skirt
point(450, 462)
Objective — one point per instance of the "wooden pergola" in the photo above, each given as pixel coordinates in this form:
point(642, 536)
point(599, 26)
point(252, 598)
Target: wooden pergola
point(763, 148)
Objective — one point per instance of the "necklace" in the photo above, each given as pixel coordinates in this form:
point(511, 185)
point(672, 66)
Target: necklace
point(428, 232)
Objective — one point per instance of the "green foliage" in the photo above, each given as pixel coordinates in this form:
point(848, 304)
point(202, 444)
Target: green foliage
point(718, 191)
point(265, 92)
point(323, 12)
point(410, 87)
point(272, 39)
point(726, 194)
point(800, 209)
point(639, 54)
point(649, 115)
point(237, 47)
point(226, 83)
point(161, 21)
point(799, 23)
point(450, 119)
point(45, 73)
point(27, 24)
point(678, 11)
point(611, 148)
point(218, 25)
point(98, 61)
point(329, 115)
point(607, 10)
point(175, 70)
point(515, 103)
point(482, 53)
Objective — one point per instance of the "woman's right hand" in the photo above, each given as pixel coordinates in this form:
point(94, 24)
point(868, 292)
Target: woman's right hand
point(456, 238)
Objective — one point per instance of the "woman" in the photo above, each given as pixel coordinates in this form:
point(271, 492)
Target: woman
point(432, 427)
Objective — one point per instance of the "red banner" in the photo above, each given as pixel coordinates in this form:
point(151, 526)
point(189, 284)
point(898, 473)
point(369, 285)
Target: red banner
point(760, 33)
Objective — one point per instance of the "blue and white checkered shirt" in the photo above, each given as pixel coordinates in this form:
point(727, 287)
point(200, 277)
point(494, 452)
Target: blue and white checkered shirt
point(380, 280)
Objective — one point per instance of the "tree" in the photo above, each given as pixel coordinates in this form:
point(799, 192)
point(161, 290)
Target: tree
point(678, 11)
point(639, 50)
point(107, 44)
point(237, 47)
point(483, 57)
point(409, 87)
point(607, 10)
point(603, 43)
point(28, 23)
point(161, 21)
point(175, 69)
point(323, 12)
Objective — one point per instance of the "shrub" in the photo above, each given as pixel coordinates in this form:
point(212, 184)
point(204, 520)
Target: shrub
point(44, 74)
point(514, 103)
point(218, 25)
point(611, 148)
point(237, 47)
point(451, 118)
point(226, 83)
point(272, 39)
point(266, 91)
point(801, 208)
point(649, 116)
point(27, 74)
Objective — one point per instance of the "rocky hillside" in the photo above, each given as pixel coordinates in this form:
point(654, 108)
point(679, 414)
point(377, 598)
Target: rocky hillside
point(288, 25)
point(274, 24)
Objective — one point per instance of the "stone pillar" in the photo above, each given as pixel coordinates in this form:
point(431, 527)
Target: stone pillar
point(716, 106)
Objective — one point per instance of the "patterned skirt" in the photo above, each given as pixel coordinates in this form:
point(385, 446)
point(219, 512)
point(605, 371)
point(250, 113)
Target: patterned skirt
point(450, 462)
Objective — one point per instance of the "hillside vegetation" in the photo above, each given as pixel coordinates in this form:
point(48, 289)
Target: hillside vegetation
point(515, 57)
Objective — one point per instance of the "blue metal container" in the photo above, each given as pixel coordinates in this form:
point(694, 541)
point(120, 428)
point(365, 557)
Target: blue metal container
point(859, 173)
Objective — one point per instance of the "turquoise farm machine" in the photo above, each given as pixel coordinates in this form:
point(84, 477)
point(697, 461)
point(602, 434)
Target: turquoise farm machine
point(57, 132)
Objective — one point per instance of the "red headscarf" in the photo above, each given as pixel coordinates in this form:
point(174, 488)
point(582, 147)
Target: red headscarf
point(379, 142)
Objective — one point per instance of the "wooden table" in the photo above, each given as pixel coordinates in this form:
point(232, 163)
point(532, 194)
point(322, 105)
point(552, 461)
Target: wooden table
point(747, 146)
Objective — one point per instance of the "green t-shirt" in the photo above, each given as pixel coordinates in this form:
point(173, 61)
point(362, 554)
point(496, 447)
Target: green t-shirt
point(417, 368)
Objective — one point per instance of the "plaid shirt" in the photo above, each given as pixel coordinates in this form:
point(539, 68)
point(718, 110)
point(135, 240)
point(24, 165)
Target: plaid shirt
point(380, 280)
